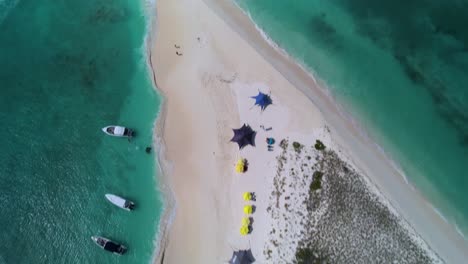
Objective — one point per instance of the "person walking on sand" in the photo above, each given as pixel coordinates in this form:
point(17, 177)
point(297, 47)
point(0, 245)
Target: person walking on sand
point(178, 53)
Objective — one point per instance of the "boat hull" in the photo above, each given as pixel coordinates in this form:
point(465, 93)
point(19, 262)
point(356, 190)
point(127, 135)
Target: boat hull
point(120, 202)
point(109, 245)
point(118, 131)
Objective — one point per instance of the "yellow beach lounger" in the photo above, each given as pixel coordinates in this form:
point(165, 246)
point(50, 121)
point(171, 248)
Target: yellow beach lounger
point(244, 230)
point(248, 209)
point(240, 166)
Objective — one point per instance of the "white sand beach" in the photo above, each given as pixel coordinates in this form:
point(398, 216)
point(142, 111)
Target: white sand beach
point(222, 61)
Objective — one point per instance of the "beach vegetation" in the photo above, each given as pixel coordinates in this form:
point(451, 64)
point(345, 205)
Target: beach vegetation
point(297, 146)
point(308, 256)
point(316, 181)
point(345, 169)
point(319, 145)
point(275, 243)
point(284, 144)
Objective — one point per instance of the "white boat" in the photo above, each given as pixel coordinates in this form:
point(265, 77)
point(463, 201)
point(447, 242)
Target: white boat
point(109, 245)
point(118, 131)
point(120, 202)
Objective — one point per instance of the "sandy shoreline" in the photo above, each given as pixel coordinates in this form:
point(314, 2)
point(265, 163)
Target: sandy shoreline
point(207, 65)
point(163, 164)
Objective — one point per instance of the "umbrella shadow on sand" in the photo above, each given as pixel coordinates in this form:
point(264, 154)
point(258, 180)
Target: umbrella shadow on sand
point(254, 208)
point(246, 165)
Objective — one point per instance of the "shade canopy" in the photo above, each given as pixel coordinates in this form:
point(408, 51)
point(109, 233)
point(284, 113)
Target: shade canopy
point(248, 209)
point(247, 196)
point(242, 257)
point(244, 136)
point(262, 100)
point(244, 230)
point(245, 221)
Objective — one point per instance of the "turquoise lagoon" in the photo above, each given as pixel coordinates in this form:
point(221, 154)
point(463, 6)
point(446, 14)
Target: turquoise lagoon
point(67, 69)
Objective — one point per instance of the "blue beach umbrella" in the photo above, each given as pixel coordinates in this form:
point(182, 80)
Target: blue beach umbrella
point(262, 100)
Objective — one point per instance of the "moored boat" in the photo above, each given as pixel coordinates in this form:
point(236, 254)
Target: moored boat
point(109, 245)
point(120, 202)
point(118, 131)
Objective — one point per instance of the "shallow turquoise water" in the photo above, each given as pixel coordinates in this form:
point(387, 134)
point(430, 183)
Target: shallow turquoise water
point(401, 68)
point(69, 68)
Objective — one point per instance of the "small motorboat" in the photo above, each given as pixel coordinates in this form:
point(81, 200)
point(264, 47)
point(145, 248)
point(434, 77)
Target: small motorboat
point(120, 202)
point(109, 245)
point(118, 131)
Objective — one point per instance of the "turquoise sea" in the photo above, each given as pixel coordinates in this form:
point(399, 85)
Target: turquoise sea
point(67, 69)
point(401, 68)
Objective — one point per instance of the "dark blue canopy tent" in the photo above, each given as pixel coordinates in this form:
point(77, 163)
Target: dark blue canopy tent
point(244, 136)
point(262, 100)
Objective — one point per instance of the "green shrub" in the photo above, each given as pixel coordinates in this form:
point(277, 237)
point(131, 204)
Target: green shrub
point(297, 146)
point(304, 255)
point(315, 185)
point(319, 145)
point(307, 256)
point(317, 174)
point(316, 181)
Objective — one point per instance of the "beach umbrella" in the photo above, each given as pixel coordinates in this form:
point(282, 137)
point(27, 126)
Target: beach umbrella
point(262, 100)
point(247, 196)
point(244, 230)
point(248, 209)
point(245, 221)
point(244, 136)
